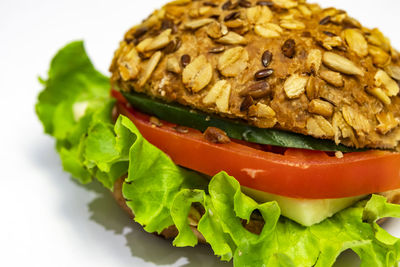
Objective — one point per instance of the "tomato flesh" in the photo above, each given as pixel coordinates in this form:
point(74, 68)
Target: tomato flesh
point(297, 173)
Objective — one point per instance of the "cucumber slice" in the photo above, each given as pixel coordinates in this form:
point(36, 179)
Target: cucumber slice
point(306, 212)
point(236, 129)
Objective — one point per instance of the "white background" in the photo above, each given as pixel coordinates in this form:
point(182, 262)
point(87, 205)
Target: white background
point(47, 219)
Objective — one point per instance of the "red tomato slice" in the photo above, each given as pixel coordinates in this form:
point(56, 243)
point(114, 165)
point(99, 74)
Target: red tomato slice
point(297, 174)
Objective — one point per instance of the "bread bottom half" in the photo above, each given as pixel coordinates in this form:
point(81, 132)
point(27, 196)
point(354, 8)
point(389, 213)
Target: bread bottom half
point(254, 226)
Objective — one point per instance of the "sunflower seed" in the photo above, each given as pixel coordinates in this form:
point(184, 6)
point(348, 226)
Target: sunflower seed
point(331, 77)
point(179, 2)
point(320, 107)
point(341, 64)
point(248, 101)
point(151, 44)
point(155, 121)
point(312, 90)
point(149, 68)
point(257, 90)
point(181, 129)
point(216, 136)
point(195, 24)
point(285, 3)
point(380, 94)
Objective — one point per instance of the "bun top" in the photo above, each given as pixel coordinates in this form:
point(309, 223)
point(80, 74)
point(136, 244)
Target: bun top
point(279, 64)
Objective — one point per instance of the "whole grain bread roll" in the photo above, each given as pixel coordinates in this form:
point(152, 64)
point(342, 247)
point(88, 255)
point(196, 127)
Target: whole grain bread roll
point(282, 64)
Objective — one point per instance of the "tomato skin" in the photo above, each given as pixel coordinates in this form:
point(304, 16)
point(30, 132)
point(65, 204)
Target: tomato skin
point(297, 174)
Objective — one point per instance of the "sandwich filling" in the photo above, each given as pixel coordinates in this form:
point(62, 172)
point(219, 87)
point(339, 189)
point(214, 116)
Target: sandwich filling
point(298, 180)
point(297, 98)
point(161, 194)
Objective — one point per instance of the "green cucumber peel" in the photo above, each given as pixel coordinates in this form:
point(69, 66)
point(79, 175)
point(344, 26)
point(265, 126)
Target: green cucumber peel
point(160, 193)
point(185, 116)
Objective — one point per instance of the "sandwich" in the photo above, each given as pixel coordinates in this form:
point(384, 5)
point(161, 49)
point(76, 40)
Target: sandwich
point(267, 129)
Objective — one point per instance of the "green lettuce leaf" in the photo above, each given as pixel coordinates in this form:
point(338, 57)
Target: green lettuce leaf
point(75, 108)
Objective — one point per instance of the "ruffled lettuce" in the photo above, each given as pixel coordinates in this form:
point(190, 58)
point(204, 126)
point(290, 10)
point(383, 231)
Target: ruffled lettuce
point(75, 108)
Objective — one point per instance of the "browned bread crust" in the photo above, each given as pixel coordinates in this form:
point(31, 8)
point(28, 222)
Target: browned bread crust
point(283, 63)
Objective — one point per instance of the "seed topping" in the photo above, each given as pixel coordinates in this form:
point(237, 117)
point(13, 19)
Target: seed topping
point(197, 74)
point(325, 20)
point(219, 95)
point(266, 58)
point(185, 60)
point(289, 48)
point(217, 49)
point(322, 73)
point(216, 136)
point(295, 86)
point(341, 64)
point(233, 61)
point(265, 3)
point(263, 74)
point(244, 3)
point(140, 32)
point(232, 16)
point(211, 4)
point(257, 90)
point(248, 101)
